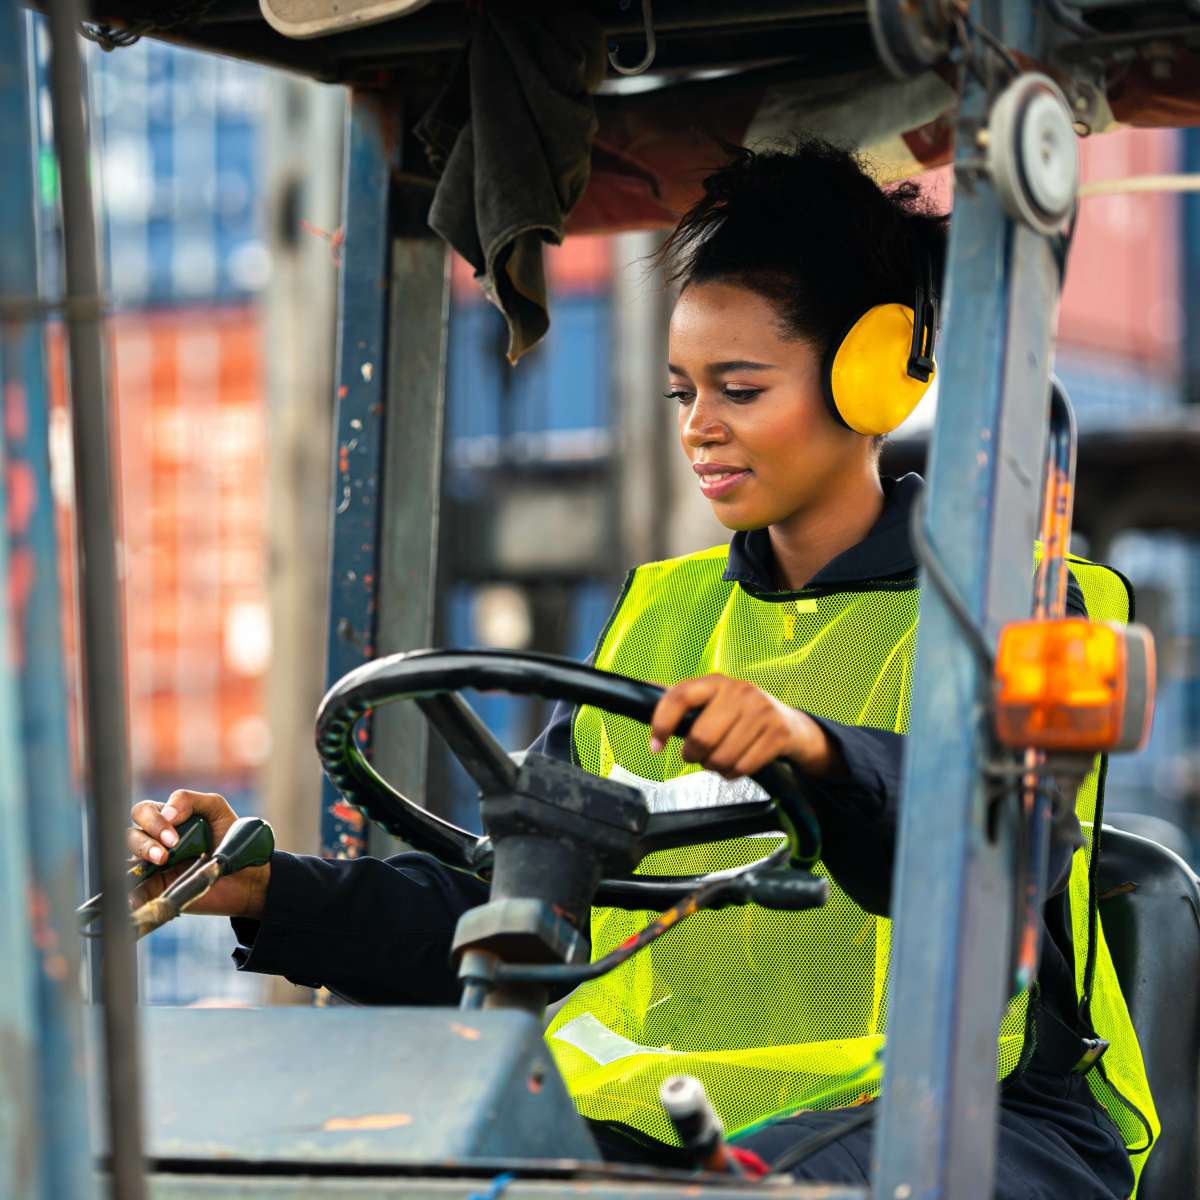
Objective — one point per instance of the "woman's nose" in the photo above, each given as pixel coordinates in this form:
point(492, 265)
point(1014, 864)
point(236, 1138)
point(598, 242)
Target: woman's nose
point(702, 425)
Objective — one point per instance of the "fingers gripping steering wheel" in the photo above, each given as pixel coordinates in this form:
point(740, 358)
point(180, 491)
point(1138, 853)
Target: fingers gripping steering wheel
point(434, 679)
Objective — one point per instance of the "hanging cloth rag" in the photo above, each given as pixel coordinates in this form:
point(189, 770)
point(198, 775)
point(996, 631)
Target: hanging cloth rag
point(511, 135)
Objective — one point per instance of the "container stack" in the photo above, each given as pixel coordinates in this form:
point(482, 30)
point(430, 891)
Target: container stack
point(176, 143)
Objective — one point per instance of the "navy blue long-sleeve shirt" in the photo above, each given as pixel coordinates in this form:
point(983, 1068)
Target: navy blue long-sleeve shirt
point(378, 931)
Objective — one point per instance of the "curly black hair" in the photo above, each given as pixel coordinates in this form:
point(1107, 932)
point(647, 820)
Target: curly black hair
point(807, 228)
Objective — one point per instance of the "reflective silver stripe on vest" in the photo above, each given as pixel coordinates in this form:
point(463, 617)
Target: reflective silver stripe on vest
point(700, 789)
point(600, 1043)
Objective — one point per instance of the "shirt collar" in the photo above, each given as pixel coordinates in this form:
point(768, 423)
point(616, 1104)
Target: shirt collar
point(885, 551)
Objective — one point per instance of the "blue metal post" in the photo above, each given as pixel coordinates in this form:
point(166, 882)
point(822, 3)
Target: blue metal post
point(359, 431)
point(44, 1140)
point(952, 897)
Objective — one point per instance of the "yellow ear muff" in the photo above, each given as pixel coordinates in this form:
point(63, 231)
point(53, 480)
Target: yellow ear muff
point(867, 382)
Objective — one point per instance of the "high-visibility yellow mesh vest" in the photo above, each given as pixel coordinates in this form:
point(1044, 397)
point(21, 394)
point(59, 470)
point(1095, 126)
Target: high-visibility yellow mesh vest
point(777, 1012)
point(1119, 1080)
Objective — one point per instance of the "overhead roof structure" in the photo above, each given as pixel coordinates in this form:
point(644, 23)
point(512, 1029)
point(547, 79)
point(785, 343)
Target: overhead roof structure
point(721, 71)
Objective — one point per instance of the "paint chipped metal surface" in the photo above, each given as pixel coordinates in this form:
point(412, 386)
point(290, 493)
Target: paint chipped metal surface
point(359, 435)
point(368, 1088)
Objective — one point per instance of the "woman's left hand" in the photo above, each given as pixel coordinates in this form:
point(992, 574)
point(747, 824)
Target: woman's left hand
point(740, 728)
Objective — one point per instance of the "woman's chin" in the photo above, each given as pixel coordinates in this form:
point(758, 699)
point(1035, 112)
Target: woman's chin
point(736, 517)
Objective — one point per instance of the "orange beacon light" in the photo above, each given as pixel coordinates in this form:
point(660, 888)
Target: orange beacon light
point(1074, 686)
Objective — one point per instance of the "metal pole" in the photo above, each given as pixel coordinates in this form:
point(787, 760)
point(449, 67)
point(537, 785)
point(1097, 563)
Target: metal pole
point(646, 445)
point(46, 804)
point(359, 431)
point(103, 634)
point(952, 895)
point(411, 492)
point(304, 155)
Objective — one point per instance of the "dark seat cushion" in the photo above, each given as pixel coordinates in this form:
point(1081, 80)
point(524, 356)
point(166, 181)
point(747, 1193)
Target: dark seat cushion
point(1150, 906)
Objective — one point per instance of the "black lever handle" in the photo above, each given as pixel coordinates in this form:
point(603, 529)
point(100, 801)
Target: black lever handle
point(787, 891)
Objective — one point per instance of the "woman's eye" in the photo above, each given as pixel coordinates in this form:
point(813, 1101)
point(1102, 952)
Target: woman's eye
point(679, 396)
point(741, 395)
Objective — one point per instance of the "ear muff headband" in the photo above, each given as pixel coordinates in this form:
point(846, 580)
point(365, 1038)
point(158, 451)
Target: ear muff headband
point(867, 381)
point(876, 373)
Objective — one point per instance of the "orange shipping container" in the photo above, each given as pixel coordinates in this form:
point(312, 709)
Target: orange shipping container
point(191, 416)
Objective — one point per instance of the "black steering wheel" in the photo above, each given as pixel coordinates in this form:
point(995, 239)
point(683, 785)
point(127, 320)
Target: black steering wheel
point(434, 678)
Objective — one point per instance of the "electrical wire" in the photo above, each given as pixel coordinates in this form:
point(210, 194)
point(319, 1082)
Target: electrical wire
point(994, 44)
point(738, 890)
point(796, 1154)
point(793, 1156)
point(928, 557)
point(571, 975)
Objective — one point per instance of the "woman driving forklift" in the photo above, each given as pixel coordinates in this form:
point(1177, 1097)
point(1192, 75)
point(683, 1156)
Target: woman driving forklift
point(791, 355)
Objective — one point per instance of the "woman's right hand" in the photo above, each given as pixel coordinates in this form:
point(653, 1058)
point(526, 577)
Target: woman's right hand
point(153, 836)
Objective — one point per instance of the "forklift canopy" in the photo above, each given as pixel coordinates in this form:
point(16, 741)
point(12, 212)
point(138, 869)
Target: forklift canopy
point(515, 124)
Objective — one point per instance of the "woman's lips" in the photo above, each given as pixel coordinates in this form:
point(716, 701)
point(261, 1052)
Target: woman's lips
point(717, 484)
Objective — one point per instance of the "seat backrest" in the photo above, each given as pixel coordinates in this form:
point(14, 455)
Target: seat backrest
point(1157, 829)
point(1150, 907)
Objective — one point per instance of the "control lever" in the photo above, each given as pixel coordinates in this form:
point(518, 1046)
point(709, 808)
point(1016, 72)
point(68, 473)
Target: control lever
point(195, 840)
point(248, 842)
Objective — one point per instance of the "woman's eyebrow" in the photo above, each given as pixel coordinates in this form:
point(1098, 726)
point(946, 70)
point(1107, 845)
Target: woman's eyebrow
point(739, 364)
point(723, 368)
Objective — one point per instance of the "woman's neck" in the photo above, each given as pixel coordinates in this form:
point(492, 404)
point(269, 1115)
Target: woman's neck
point(812, 538)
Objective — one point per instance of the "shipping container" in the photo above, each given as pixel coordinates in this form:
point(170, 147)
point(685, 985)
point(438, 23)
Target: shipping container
point(191, 444)
point(1121, 296)
point(177, 137)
